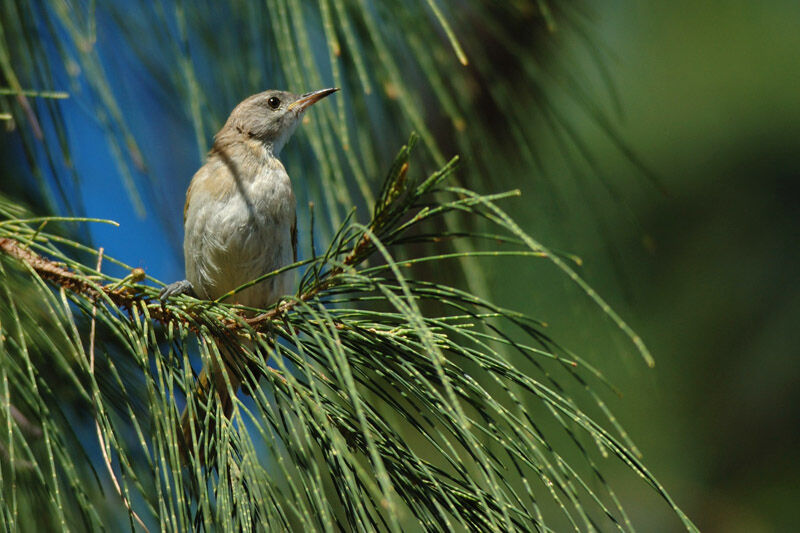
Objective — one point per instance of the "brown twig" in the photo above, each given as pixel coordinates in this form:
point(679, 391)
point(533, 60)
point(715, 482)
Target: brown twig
point(62, 276)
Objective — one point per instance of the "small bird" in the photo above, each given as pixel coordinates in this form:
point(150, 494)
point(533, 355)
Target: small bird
point(239, 217)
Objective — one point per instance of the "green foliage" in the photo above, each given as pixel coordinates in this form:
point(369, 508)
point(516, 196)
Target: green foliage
point(366, 412)
point(377, 397)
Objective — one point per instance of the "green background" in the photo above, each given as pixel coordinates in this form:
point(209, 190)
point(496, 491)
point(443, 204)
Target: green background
point(708, 272)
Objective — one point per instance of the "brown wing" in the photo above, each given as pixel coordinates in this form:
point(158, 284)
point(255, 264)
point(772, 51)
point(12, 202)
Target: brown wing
point(186, 204)
point(294, 238)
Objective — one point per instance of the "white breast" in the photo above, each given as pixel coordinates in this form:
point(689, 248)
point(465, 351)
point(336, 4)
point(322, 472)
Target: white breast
point(236, 235)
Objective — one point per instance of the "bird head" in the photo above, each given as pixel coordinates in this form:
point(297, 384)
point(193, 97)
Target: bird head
point(272, 116)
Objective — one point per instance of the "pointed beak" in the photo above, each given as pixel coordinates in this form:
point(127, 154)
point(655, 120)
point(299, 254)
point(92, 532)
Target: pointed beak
point(309, 98)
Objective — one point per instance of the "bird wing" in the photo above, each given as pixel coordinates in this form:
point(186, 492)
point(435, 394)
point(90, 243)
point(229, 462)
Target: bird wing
point(186, 204)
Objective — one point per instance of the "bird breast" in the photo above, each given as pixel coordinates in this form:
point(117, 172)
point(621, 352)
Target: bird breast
point(238, 227)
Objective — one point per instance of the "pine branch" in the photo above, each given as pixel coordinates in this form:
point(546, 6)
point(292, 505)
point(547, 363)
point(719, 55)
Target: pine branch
point(415, 417)
point(379, 400)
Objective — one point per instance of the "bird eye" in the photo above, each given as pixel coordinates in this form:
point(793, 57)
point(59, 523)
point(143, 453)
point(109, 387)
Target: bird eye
point(273, 102)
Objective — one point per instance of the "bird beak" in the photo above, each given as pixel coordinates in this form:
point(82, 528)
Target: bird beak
point(309, 98)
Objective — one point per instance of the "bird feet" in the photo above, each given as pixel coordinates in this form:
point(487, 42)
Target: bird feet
point(177, 288)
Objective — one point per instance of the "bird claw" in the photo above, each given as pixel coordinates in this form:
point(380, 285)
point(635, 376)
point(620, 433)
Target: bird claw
point(175, 289)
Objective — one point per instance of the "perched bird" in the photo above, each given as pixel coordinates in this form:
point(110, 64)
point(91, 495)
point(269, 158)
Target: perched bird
point(239, 216)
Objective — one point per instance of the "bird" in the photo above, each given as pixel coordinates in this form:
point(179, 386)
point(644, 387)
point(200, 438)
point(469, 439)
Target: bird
point(240, 221)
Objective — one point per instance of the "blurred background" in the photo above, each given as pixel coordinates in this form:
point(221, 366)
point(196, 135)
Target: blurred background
point(676, 181)
point(708, 271)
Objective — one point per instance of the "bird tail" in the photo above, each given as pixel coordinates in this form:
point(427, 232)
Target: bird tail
point(222, 381)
